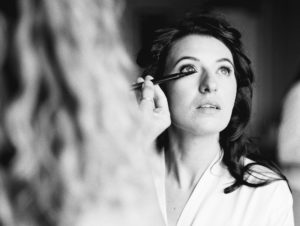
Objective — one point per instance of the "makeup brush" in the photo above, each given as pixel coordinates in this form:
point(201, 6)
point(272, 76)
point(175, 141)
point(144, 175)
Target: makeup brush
point(164, 79)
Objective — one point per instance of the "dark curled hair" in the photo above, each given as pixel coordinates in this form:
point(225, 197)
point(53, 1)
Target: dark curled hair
point(233, 140)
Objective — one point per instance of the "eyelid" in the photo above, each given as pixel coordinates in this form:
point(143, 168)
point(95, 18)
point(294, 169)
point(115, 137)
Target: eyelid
point(226, 65)
point(229, 70)
point(181, 67)
point(229, 67)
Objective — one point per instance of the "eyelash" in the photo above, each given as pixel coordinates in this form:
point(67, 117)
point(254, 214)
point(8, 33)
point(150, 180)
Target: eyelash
point(186, 66)
point(228, 69)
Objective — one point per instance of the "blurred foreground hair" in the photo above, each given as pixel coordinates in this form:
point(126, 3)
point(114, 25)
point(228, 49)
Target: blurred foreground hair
point(69, 125)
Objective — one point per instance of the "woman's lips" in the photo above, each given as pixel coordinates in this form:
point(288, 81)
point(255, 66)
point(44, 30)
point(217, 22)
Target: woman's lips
point(209, 105)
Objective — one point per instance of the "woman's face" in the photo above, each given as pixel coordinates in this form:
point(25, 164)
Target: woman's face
point(202, 102)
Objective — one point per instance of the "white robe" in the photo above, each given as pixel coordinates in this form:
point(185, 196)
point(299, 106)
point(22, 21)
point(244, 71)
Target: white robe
point(208, 205)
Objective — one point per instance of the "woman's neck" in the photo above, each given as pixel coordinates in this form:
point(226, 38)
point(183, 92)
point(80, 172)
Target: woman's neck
point(188, 156)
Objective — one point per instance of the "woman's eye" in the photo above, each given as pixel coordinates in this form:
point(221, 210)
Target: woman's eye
point(224, 71)
point(187, 68)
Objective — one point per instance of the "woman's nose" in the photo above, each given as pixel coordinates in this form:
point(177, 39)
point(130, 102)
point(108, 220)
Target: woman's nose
point(208, 83)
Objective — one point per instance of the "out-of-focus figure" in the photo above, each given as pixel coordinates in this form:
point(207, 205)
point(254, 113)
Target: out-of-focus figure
point(289, 141)
point(70, 137)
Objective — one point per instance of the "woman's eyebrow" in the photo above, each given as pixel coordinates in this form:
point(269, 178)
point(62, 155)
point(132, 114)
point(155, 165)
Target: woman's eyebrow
point(185, 58)
point(227, 60)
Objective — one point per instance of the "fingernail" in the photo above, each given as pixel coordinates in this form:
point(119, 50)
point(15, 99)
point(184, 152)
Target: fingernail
point(139, 79)
point(149, 77)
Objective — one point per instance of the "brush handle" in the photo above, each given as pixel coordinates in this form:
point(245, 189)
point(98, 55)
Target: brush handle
point(166, 78)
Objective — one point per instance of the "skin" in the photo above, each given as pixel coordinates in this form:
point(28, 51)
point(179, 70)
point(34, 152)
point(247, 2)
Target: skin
point(212, 83)
point(199, 107)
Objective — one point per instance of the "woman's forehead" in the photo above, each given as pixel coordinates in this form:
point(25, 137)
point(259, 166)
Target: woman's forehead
point(202, 47)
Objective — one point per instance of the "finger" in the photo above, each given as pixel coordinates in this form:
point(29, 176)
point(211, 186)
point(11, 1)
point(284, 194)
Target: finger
point(140, 79)
point(137, 92)
point(160, 98)
point(148, 88)
point(147, 99)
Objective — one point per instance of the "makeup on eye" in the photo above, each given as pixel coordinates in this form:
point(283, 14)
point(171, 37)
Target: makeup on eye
point(187, 68)
point(224, 65)
point(225, 70)
point(228, 69)
point(190, 68)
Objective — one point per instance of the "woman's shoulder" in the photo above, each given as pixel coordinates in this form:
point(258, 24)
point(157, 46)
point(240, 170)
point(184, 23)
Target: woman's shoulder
point(275, 183)
point(258, 171)
point(273, 199)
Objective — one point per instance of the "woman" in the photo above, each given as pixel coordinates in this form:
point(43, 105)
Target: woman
point(66, 136)
point(210, 174)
